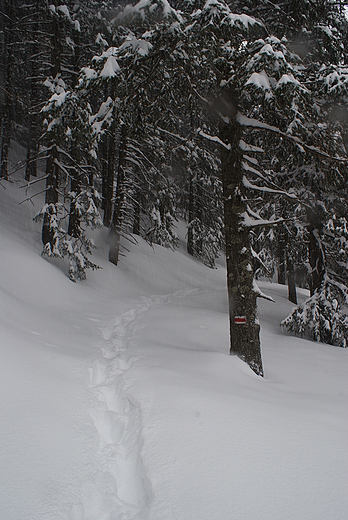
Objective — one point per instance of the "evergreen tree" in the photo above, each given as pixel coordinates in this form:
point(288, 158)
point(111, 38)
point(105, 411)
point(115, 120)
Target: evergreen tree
point(197, 165)
point(68, 179)
point(132, 126)
point(318, 180)
point(318, 35)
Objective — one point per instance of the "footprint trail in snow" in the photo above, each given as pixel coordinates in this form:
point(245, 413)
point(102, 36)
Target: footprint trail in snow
point(120, 488)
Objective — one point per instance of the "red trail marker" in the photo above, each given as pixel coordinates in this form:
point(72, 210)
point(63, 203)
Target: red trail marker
point(239, 320)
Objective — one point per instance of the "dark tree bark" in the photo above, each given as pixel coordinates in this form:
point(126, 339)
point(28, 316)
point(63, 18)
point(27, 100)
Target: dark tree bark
point(137, 213)
point(76, 57)
point(7, 62)
point(103, 155)
point(56, 47)
point(52, 168)
point(109, 172)
point(32, 48)
point(316, 251)
point(244, 326)
point(31, 165)
point(5, 143)
point(292, 295)
point(115, 229)
point(199, 215)
point(286, 271)
point(74, 229)
point(74, 218)
point(281, 255)
point(51, 197)
point(190, 248)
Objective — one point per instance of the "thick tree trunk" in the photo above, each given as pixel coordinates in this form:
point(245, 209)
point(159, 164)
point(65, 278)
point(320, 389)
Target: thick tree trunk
point(115, 229)
point(244, 326)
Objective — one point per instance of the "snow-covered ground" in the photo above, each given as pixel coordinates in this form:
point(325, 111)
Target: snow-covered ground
point(118, 399)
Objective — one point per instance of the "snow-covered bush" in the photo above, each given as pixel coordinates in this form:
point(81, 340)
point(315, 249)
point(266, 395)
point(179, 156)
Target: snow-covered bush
point(78, 248)
point(323, 317)
point(162, 218)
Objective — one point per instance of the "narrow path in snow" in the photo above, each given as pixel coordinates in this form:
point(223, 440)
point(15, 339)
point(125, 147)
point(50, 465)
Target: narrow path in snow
point(120, 488)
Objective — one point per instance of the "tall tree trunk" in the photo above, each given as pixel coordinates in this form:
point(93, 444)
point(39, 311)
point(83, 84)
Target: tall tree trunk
point(76, 57)
point(109, 179)
point(115, 229)
point(292, 295)
point(8, 16)
point(316, 251)
point(51, 197)
point(5, 144)
point(74, 219)
point(56, 47)
point(103, 156)
point(31, 165)
point(199, 215)
point(32, 100)
point(244, 326)
point(52, 168)
point(137, 214)
point(281, 255)
point(190, 246)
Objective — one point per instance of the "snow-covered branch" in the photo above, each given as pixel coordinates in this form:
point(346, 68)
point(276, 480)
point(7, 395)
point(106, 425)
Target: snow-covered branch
point(258, 291)
point(259, 125)
point(265, 189)
point(213, 138)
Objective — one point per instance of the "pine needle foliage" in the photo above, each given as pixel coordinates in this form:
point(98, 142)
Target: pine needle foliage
point(323, 317)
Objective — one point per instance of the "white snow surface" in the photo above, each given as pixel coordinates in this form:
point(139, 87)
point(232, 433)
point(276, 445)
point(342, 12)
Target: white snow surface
point(119, 400)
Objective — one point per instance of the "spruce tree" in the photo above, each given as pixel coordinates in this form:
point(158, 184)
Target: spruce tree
point(67, 121)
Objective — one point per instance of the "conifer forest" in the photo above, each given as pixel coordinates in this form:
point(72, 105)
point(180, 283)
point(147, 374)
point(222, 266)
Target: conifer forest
point(230, 115)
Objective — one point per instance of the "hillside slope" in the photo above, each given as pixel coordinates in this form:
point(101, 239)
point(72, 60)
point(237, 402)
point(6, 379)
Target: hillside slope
point(118, 399)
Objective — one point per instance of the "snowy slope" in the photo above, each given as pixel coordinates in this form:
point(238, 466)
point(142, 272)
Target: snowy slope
point(118, 399)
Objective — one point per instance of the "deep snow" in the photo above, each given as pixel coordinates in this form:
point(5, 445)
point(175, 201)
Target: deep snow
point(118, 399)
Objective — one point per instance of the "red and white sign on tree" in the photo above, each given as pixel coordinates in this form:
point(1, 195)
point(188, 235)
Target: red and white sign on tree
point(240, 319)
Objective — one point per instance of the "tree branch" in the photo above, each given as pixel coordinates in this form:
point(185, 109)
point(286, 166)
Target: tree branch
point(259, 125)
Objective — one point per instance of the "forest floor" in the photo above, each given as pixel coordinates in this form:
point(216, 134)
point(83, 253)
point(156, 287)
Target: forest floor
point(119, 399)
